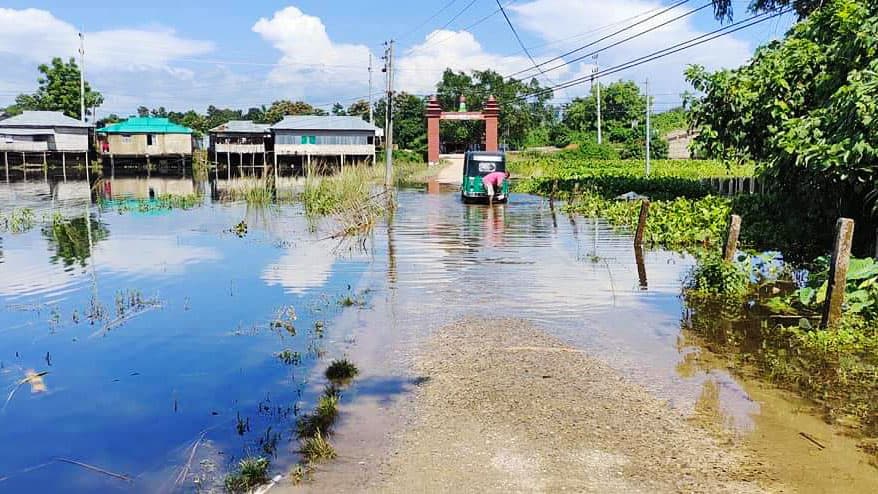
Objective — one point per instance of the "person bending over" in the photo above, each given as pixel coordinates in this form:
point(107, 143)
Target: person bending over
point(493, 182)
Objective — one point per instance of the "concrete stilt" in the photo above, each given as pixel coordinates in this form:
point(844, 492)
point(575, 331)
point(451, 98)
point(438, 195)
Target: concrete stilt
point(6, 164)
point(64, 165)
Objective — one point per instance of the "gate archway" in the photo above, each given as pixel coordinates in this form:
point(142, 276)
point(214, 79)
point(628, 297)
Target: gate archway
point(490, 114)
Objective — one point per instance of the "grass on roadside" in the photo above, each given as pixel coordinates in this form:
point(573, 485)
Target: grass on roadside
point(250, 473)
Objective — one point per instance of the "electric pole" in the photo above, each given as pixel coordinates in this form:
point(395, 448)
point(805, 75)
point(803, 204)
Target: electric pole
point(388, 129)
point(82, 77)
point(595, 71)
point(371, 121)
point(648, 133)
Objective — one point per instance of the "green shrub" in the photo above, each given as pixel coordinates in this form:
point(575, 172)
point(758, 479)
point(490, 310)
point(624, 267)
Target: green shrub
point(341, 370)
point(251, 473)
point(715, 276)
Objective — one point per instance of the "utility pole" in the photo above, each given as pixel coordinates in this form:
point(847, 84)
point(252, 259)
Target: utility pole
point(595, 71)
point(388, 129)
point(648, 133)
point(371, 120)
point(82, 76)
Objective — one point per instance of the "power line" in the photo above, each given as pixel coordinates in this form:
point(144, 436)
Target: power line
point(629, 38)
point(470, 26)
point(690, 43)
point(521, 43)
point(419, 26)
point(561, 56)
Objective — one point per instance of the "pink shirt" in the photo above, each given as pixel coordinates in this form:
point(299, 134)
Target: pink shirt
point(495, 178)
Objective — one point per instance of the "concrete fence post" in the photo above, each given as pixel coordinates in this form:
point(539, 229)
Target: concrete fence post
point(838, 271)
point(732, 241)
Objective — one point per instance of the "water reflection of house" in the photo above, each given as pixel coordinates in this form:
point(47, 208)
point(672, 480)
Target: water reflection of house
point(146, 188)
point(304, 141)
point(37, 137)
point(241, 140)
point(146, 140)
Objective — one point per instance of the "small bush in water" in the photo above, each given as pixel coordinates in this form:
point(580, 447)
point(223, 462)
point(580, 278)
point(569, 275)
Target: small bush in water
point(341, 370)
point(716, 276)
point(251, 473)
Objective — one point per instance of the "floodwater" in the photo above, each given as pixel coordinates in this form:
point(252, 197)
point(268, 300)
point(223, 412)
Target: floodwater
point(145, 341)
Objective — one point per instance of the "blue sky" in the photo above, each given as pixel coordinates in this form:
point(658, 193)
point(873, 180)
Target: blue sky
point(185, 55)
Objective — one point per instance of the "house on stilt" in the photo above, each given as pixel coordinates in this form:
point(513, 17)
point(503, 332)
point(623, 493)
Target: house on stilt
point(242, 143)
point(307, 142)
point(40, 138)
point(145, 141)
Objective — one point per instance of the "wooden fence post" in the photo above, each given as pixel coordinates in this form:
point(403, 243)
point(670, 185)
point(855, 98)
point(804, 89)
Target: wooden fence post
point(732, 241)
point(641, 223)
point(838, 271)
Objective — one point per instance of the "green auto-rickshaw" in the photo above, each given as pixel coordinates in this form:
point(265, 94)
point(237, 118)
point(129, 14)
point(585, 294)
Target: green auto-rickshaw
point(477, 164)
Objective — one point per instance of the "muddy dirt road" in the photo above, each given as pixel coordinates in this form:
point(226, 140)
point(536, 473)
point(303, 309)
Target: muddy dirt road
point(507, 408)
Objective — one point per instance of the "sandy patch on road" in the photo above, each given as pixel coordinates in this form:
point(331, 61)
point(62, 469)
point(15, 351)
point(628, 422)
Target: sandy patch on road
point(507, 408)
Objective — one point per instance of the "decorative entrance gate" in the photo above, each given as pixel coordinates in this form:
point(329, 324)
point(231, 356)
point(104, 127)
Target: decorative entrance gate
point(490, 114)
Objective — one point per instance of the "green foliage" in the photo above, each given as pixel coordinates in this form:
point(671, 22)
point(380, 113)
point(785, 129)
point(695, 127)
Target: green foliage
point(715, 276)
point(276, 112)
point(807, 107)
point(861, 291)
point(623, 111)
point(673, 119)
point(58, 90)
point(350, 188)
point(19, 220)
point(69, 238)
point(409, 122)
point(723, 8)
point(518, 116)
point(317, 448)
point(251, 473)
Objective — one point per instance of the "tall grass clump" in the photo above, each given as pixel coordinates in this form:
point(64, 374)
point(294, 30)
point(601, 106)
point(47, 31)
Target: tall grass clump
point(251, 472)
point(350, 197)
point(322, 419)
point(316, 448)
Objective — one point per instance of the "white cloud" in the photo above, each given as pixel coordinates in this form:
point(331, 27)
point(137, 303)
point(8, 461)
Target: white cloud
point(306, 267)
point(421, 66)
point(37, 36)
point(167, 255)
point(311, 64)
point(557, 21)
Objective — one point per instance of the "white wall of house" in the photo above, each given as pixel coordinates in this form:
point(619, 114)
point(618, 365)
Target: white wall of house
point(70, 139)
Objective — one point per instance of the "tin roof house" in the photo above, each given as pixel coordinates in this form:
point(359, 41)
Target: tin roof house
point(243, 140)
point(43, 132)
point(145, 137)
point(303, 137)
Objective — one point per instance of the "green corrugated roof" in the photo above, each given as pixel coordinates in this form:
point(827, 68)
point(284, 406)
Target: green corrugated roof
point(145, 125)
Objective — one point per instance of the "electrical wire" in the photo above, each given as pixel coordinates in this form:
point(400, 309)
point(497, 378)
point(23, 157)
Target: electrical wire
point(521, 43)
point(690, 43)
point(629, 38)
point(604, 38)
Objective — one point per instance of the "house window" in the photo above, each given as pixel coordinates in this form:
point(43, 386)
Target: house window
point(312, 139)
point(304, 139)
point(150, 139)
point(126, 139)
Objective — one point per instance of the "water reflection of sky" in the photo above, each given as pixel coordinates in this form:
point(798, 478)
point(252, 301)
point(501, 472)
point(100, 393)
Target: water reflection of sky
point(131, 397)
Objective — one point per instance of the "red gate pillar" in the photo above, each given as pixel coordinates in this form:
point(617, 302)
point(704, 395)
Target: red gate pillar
point(491, 112)
point(434, 113)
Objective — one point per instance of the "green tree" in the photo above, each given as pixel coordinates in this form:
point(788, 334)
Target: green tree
point(59, 90)
point(724, 9)
point(623, 112)
point(360, 108)
point(338, 110)
point(276, 112)
point(409, 120)
point(523, 105)
point(142, 111)
point(806, 107)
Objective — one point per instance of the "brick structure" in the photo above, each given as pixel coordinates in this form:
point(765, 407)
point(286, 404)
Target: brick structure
point(490, 114)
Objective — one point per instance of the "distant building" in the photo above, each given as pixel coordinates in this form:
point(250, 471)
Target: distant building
point(678, 144)
point(339, 139)
point(242, 141)
point(145, 137)
point(43, 132)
